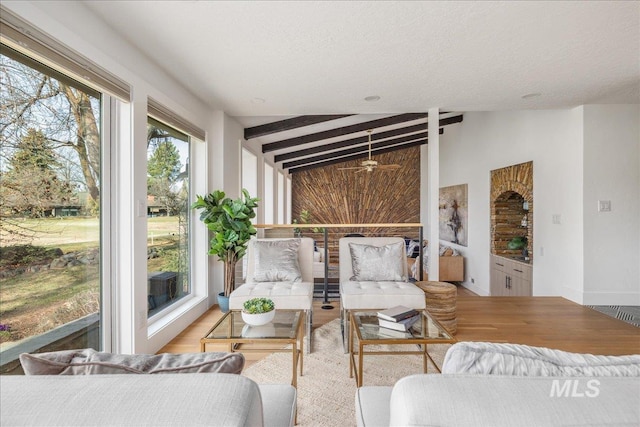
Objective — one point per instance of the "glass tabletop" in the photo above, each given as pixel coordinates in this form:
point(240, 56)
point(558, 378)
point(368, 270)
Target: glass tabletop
point(425, 328)
point(283, 326)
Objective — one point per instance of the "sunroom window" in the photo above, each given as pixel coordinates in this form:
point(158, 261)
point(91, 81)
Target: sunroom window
point(50, 210)
point(168, 216)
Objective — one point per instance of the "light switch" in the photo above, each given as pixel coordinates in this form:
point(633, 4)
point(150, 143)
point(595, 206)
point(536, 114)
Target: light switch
point(604, 205)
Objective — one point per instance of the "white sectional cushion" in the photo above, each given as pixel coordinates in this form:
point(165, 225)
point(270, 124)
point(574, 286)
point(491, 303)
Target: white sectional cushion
point(375, 295)
point(517, 359)
point(285, 295)
point(372, 405)
point(276, 261)
point(378, 263)
point(279, 404)
point(491, 400)
point(222, 400)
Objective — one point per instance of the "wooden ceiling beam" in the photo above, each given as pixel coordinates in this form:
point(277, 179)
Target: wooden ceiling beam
point(349, 142)
point(288, 124)
point(361, 155)
point(345, 130)
point(355, 150)
point(356, 157)
point(362, 139)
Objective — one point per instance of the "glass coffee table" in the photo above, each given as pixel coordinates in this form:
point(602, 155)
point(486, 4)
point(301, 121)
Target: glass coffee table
point(287, 327)
point(364, 326)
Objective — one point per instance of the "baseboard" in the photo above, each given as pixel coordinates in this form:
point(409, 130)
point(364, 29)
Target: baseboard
point(475, 289)
point(611, 298)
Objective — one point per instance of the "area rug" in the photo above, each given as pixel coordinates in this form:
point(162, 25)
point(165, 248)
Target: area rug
point(325, 392)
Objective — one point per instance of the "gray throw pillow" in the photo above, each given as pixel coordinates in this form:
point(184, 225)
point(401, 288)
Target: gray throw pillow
point(89, 362)
point(276, 261)
point(378, 263)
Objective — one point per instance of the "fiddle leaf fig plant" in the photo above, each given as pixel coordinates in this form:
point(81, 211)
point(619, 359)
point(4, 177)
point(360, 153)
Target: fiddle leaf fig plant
point(230, 223)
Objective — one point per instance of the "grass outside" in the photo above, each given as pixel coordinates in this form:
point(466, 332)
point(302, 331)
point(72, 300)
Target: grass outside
point(76, 233)
point(33, 303)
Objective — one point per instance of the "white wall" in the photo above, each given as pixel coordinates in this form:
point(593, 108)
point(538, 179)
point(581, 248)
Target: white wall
point(579, 155)
point(612, 172)
point(552, 140)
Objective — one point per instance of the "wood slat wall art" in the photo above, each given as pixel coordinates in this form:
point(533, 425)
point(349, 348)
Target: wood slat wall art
point(335, 196)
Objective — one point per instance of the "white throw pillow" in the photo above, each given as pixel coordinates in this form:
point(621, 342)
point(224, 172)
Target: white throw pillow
point(378, 263)
point(276, 261)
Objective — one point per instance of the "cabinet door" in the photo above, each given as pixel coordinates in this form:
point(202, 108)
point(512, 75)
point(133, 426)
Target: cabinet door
point(499, 283)
point(520, 287)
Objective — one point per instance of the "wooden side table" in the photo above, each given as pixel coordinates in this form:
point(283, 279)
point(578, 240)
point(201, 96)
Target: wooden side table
point(441, 299)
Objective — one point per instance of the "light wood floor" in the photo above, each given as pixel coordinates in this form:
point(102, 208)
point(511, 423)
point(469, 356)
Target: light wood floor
point(552, 322)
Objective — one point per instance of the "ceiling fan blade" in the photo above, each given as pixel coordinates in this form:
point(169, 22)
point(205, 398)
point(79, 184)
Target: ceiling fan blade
point(355, 167)
point(389, 167)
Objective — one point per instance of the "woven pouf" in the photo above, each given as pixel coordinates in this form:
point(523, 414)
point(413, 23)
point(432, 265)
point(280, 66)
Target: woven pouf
point(441, 298)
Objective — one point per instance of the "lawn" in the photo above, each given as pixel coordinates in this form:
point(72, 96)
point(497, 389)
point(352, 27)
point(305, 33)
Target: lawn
point(35, 302)
point(80, 232)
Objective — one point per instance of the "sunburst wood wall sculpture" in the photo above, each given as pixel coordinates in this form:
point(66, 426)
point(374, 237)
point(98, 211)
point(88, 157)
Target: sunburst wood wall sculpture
point(335, 196)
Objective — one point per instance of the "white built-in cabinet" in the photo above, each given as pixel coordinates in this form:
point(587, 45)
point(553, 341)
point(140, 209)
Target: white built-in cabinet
point(510, 277)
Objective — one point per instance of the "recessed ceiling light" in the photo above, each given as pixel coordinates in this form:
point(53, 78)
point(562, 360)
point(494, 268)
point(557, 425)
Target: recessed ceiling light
point(372, 98)
point(258, 100)
point(531, 95)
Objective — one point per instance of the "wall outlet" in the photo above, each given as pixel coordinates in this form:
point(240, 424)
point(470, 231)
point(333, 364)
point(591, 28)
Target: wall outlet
point(473, 280)
point(541, 251)
point(556, 218)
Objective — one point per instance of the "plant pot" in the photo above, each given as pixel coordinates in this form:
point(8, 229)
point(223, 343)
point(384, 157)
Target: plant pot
point(263, 331)
point(258, 319)
point(223, 302)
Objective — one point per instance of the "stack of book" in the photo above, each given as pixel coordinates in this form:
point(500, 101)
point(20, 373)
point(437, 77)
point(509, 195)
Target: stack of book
point(400, 318)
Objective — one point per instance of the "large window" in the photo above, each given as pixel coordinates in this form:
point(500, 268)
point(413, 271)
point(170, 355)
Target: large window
point(50, 208)
point(250, 174)
point(268, 194)
point(168, 255)
point(281, 202)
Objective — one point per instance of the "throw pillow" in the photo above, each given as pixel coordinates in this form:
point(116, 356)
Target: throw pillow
point(378, 263)
point(89, 362)
point(276, 261)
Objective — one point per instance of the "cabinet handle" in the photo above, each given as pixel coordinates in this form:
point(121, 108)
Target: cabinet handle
point(519, 271)
point(501, 265)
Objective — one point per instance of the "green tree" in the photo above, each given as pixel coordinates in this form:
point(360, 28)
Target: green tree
point(164, 161)
point(31, 185)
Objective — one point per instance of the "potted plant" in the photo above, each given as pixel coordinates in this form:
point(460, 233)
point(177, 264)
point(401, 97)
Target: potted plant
point(230, 223)
point(258, 311)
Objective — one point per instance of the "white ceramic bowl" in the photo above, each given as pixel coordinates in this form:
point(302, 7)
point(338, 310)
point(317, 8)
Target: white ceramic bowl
point(259, 318)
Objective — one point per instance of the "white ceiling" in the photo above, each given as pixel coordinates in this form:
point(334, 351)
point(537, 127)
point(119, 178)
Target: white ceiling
point(312, 57)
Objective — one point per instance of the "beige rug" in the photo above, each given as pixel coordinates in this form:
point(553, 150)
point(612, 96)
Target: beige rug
point(325, 392)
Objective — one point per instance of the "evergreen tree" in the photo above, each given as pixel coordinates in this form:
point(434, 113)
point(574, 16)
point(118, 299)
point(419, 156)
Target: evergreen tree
point(31, 185)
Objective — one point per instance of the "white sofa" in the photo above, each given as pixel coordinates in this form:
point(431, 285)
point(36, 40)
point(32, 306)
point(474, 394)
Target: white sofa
point(486, 400)
point(486, 384)
point(185, 399)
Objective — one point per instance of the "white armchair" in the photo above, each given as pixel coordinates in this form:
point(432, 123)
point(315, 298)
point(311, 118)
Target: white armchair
point(287, 295)
point(365, 291)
